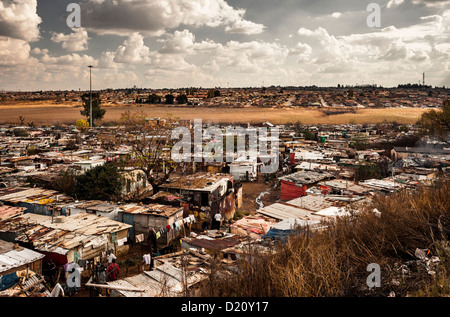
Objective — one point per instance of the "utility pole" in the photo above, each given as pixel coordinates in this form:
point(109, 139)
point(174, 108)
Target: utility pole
point(90, 95)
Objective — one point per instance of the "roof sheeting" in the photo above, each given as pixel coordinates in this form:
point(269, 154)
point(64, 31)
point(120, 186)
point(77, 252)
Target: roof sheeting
point(285, 228)
point(60, 237)
point(285, 211)
point(151, 209)
point(8, 211)
point(164, 281)
point(17, 257)
point(199, 182)
point(306, 177)
point(40, 195)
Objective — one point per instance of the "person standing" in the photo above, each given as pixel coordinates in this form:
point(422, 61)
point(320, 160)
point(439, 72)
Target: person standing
point(218, 221)
point(152, 241)
point(113, 271)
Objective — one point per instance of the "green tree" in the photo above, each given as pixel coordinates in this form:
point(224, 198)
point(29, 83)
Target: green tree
point(436, 123)
point(182, 99)
point(97, 112)
point(100, 183)
point(65, 182)
point(369, 170)
point(169, 99)
point(153, 99)
point(213, 93)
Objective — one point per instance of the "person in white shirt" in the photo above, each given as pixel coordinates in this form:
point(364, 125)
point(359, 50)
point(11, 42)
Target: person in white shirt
point(111, 257)
point(218, 221)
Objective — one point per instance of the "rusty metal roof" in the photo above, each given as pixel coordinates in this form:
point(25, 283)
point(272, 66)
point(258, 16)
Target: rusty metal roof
point(39, 195)
point(59, 237)
point(151, 209)
point(8, 211)
point(198, 181)
point(214, 243)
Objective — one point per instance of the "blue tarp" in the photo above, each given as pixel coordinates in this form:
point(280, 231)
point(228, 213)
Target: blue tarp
point(8, 280)
point(283, 229)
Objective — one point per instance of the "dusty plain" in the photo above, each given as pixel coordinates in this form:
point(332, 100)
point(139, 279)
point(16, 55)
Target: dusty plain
point(47, 113)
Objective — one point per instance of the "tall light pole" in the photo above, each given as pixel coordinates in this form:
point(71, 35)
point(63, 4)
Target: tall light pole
point(90, 94)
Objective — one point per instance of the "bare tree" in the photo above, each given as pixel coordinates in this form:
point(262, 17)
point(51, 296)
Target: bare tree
point(150, 141)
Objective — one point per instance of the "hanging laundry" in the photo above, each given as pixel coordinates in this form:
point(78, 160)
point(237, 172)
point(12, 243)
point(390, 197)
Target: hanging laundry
point(139, 238)
point(147, 258)
point(121, 242)
point(158, 234)
point(68, 266)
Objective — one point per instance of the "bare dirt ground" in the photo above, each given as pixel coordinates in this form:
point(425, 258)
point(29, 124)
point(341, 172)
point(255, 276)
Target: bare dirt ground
point(251, 191)
point(45, 113)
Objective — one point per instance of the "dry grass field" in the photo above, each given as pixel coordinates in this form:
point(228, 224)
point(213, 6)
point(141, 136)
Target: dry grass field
point(44, 113)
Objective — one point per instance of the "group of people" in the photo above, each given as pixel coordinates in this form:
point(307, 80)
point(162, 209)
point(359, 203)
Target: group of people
point(112, 271)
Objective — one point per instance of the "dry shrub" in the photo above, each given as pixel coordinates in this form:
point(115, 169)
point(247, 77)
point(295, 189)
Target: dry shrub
point(334, 262)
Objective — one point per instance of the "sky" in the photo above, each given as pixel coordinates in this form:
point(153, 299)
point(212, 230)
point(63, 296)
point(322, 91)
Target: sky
point(222, 43)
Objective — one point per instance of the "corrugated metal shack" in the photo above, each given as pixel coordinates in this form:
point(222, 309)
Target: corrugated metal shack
point(72, 238)
point(283, 211)
point(252, 226)
point(164, 281)
point(36, 200)
point(212, 240)
point(14, 258)
point(94, 207)
point(344, 186)
point(207, 195)
point(8, 211)
point(295, 185)
point(322, 208)
point(152, 216)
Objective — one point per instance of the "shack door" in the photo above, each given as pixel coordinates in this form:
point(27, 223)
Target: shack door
point(129, 220)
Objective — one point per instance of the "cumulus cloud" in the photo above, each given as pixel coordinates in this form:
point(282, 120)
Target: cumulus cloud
point(245, 27)
point(14, 52)
point(336, 15)
point(394, 3)
point(302, 51)
point(397, 50)
point(250, 57)
point(73, 42)
point(180, 42)
point(154, 17)
point(133, 50)
point(69, 60)
point(19, 19)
